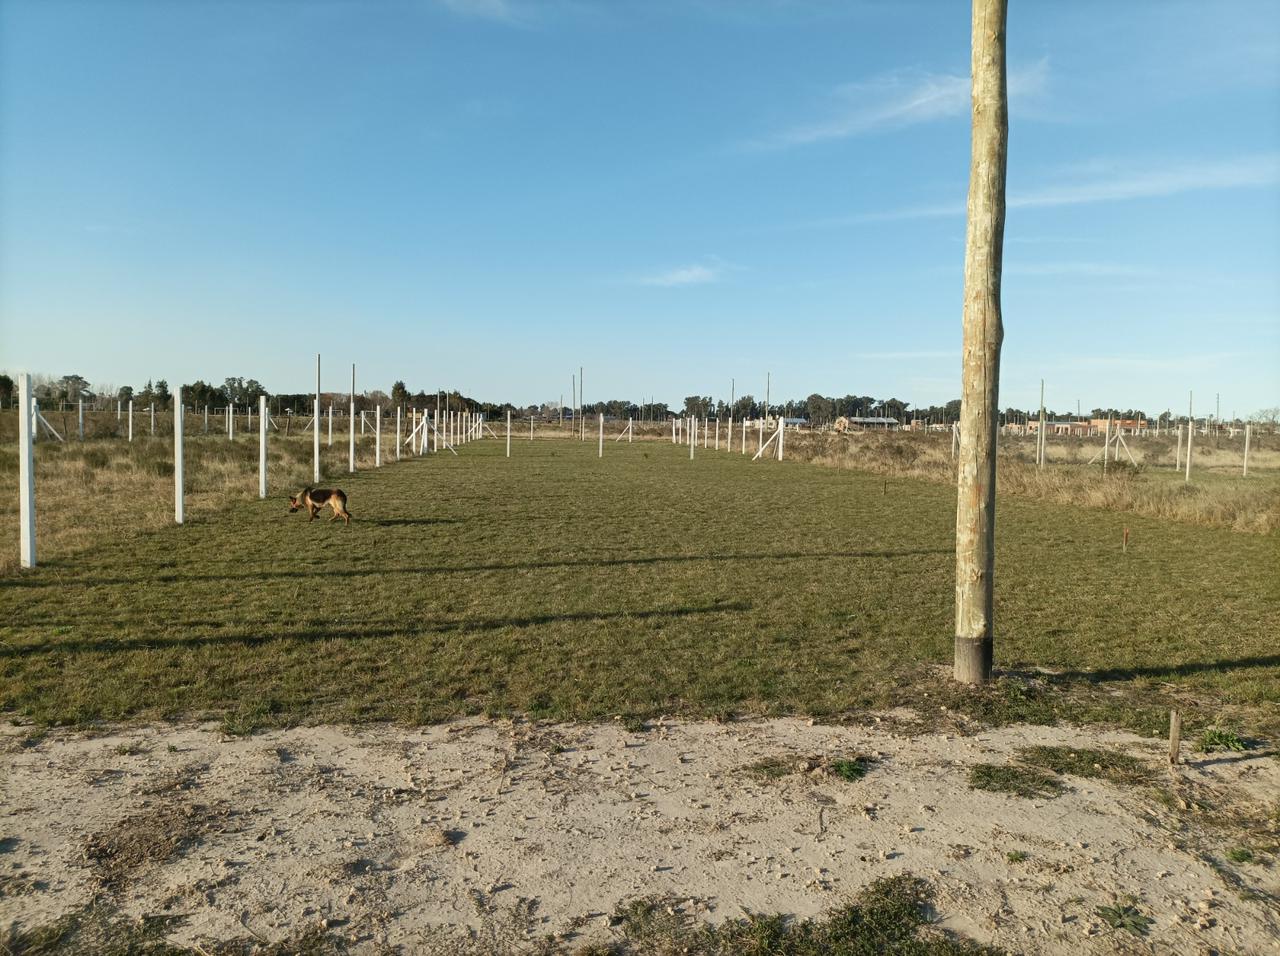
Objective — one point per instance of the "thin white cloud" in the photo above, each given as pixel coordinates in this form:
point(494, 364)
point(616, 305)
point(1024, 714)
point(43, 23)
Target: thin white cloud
point(500, 11)
point(1169, 363)
point(912, 356)
point(1107, 183)
point(897, 99)
point(709, 270)
point(1091, 269)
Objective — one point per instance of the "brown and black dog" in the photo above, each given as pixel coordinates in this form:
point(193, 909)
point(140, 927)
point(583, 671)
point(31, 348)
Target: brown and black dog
point(314, 500)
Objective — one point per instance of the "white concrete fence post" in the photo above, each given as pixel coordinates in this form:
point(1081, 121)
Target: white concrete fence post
point(601, 452)
point(377, 436)
point(26, 475)
point(81, 419)
point(1191, 429)
point(351, 425)
point(315, 429)
point(1247, 427)
point(262, 446)
point(179, 499)
point(131, 419)
point(398, 433)
point(508, 433)
point(782, 428)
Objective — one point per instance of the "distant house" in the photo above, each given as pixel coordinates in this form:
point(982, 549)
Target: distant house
point(844, 424)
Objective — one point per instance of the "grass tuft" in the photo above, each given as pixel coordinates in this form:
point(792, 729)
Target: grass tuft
point(891, 916)
point(1083, 762)
point(1222, 738)
point(1125, 915)
point(1029, 782)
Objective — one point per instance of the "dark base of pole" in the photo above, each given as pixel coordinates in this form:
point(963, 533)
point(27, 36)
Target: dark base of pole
point(973, 660)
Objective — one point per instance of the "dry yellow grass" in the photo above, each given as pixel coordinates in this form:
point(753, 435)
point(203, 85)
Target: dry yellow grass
point(1217, 494)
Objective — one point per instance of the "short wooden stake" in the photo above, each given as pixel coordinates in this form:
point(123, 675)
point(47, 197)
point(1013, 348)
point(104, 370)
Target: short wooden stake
point(1175, 738)
point(26, 475)
point(1124, 541)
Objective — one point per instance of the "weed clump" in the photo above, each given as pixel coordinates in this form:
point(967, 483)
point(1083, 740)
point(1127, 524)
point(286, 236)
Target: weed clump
point(1030, 782)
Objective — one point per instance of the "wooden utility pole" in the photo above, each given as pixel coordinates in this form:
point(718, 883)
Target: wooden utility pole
point(983, 334)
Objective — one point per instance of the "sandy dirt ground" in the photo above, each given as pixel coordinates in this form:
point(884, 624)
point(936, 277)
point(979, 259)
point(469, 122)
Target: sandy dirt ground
point(487, 834)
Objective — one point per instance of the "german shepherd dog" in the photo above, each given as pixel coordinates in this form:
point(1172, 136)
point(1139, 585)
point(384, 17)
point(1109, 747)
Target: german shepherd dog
point(314, 500)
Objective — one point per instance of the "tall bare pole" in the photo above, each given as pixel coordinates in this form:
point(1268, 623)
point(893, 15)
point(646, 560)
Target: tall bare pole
point(983, 335)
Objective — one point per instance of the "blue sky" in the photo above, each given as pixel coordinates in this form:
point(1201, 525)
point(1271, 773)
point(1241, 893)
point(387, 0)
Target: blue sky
point(486, 194)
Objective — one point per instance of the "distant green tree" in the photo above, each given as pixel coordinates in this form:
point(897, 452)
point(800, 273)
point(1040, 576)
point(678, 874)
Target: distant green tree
point(8, 390)
point(399, 394)
point(162, 396)
point(125, 394)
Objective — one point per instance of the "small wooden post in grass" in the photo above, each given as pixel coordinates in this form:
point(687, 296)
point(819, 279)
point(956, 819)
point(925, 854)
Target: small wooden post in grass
point(81, 418)
point(178, 510)
point(1175, 738)
point(1124, 542)
point(601, 452)
point(351, 425)
point(26, 475)
point(1191, 428)
point(131, 419)
point(262, 446)
point(1247, 427)
point(377, 436)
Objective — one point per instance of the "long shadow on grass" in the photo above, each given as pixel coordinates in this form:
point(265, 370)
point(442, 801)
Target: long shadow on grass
point(365, 632)
point(1171, 670)
point(376, 571)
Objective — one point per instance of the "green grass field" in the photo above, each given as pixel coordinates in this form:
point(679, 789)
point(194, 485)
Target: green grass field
point(559, 585)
